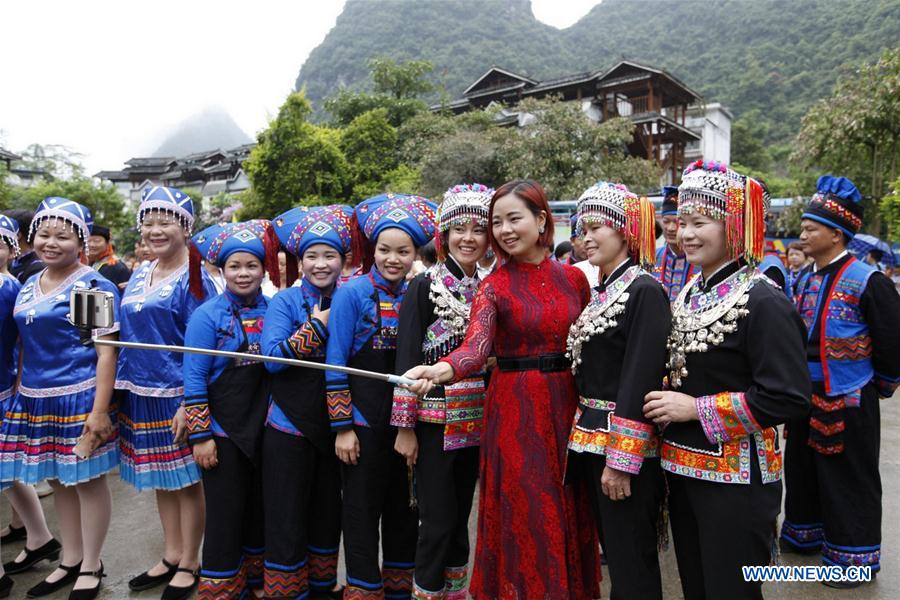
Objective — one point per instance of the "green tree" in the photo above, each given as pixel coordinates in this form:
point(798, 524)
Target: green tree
point(748, 146)
point(107, 205)
point(369, 144)
point(294, 162)
point(855, 131)
point(889, 207)
point(403, 80)
point(398, 87)
point(567, 152)
point(6, 191)
point(56, 160)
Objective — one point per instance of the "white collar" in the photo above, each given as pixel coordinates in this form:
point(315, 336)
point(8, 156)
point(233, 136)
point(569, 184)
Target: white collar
point(833, 260)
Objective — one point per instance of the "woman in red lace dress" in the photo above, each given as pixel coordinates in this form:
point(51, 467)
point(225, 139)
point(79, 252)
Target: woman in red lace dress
point(535, 537)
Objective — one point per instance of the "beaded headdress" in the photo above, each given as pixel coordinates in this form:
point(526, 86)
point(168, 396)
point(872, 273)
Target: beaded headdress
point(711, 189)
point(613, 205)
point(9, 233)
point(62, 210)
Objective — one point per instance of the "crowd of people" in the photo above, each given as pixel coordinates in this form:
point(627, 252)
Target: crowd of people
point(599, 405)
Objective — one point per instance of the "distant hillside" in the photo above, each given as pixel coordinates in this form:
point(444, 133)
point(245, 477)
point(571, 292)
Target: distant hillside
point(775, 56)
point(212, 128)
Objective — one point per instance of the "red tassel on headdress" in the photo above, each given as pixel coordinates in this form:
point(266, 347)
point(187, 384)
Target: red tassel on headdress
point(754, 222)
point(271, 245)
point(195, 276)
point(639, 231)
point(291, 270)
point(734, 221)
point(361, 247)
point(439, 245)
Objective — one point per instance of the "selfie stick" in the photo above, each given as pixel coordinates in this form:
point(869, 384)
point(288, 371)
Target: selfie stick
point(392, 379)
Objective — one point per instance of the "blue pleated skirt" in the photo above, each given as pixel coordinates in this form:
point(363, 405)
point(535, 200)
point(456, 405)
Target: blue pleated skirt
point(38, 436)
point(150, 458)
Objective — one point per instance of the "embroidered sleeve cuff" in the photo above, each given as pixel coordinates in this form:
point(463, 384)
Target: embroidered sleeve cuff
point(403, 409)
point(725, 416)
point(886, 385)
point(307, 339)
point(196, 413)
point(340, 409)
point(196, 438)
point(629, 443)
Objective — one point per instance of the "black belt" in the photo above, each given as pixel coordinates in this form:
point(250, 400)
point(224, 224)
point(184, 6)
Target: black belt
point(544, 363)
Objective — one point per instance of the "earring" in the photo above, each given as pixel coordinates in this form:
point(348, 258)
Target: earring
point(541, 230)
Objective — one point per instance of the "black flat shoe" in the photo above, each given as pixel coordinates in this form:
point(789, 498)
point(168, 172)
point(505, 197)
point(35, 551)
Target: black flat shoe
point(144, 581)
point(173, 592)
point(89, 593)
point(49, 551)
point(45, 587)
point(15, 534)
point(6, 584)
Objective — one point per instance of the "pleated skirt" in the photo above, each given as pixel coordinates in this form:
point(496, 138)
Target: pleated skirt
point(150, 458)
point(38, 436)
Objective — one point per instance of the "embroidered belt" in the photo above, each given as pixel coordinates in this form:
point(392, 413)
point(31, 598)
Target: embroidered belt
point(545, 363)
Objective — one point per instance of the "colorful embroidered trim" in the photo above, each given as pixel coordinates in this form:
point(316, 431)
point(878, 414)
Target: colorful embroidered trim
point(403, 408)
point(583, 440)
point(628, 443)
point(730, 463)
point(597, 404)
point(285, 581)
point(725, 416)
point(323, 564)
point(62, 390)
point(397, 579)
point(198, 418)
point(845, 556)
point(215, 586)
point(419, 593)
point(456, 582)
point(464, 413)
point(803, 535)
point(149, 391)
point(340, 407)
point(306, 341)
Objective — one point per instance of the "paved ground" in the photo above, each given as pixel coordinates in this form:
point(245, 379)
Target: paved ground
point(134, 541)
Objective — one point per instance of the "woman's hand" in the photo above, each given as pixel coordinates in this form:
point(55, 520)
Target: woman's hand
point(179, 426)
point(321, 315)
point(98, 425)
point(616, 485)
point(205, 454)
point(670, 407)
point(346, 446)
point(428, 377)
point(407, 445)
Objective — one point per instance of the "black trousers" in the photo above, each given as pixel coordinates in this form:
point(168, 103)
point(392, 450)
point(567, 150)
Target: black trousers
point(376, 492)
point(719, 527)
point(445, 485)
point(833, 502)
point(628, 529)
point(303, 515)
point(234, 535)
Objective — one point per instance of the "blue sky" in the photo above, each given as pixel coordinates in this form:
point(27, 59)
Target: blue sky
point(109, 78)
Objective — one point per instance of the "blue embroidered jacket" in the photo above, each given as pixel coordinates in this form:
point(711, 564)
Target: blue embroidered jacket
point(9, 288)
point(222, 323)
point(852, 316)
point(292, 332)
point(363, 310)
point(673, 271)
